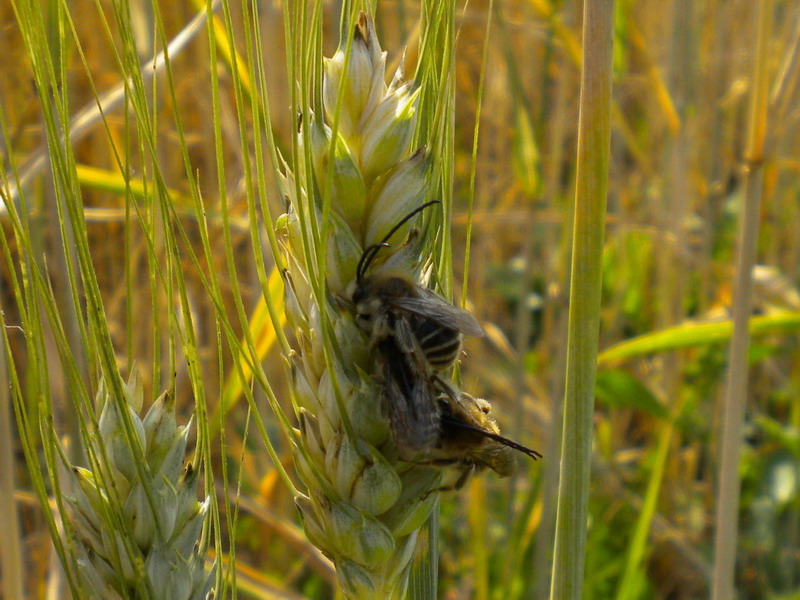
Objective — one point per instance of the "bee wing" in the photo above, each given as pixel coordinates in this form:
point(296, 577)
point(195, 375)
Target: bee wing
point(431, 305)
point(412, 408)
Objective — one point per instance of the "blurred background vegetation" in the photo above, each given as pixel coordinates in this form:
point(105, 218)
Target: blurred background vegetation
point(681, 84)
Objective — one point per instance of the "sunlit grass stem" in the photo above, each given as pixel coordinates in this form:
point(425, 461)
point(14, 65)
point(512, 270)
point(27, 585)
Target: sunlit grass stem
point(735, 398)
point(584, 309)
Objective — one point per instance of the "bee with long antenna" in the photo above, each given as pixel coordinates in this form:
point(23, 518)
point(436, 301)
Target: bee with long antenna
point(470, 439)
point(417, 334)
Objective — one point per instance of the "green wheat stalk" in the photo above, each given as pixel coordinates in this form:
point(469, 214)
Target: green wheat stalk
point(584, 308)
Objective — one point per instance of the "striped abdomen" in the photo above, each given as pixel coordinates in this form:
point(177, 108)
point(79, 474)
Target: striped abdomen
point(440, 344)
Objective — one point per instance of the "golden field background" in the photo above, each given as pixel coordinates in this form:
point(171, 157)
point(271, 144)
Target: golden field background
point(682, 80)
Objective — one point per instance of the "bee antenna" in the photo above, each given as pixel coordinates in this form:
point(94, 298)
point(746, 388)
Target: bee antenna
point(404, 220)
point(372, 251)
point(367, 258)
point(493, 436)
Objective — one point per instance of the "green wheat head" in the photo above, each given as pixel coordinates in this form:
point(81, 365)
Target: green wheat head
point(137, 523)
point(364, 506)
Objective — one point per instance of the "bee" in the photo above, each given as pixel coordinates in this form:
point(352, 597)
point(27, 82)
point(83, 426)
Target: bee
point(417, 334)
point(470, 439)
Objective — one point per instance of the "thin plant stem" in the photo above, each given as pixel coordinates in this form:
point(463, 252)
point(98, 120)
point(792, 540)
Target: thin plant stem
point(474, 166)
point(734, 401)
point(584, 310)
point(11, 550)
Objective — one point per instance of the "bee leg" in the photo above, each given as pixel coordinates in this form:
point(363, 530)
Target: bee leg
point(468, 468)
point(404, 336)
point(466, 473)
point(446, 388)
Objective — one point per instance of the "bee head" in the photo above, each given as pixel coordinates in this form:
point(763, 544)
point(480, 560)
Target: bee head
point(367, 291)
point(360, 293)
point(367, 305)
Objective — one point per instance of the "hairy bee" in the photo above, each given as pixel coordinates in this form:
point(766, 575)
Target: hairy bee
point(417, 334)
point(470, 439)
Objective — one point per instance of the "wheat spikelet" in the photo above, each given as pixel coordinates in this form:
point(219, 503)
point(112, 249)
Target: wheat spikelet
point(134, 530)
point(364, 506)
